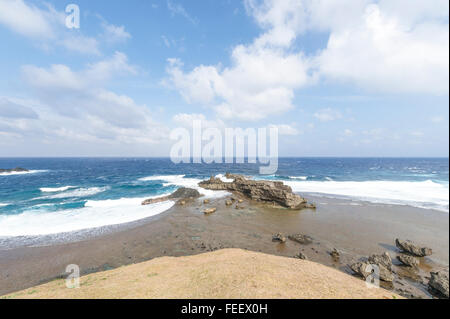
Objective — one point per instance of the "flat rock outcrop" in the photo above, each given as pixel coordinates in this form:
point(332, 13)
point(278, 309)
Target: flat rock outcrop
point(413, 249)
point(272, 192)
point(182, 193)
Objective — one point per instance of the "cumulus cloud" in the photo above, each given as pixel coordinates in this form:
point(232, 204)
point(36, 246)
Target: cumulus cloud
point(385, 46)
point(260, 81)
point(75, 106)
point(46, 26)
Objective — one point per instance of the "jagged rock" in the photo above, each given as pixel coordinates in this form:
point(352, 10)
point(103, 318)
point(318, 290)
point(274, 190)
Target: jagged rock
point(384, 260)
point(13, 170)
point(209, 211)
point(182, 202)
point(335, 254)
point(439, 282)
point(413, 249)
point(228, 202)
point(301, 255)
point(364, 269)
point(181, 193)
point(301, 239)
point(279, 237)
point(408, 260)
point(264, 191)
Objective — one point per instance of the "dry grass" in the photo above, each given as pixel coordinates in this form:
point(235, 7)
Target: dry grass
point(228, 273)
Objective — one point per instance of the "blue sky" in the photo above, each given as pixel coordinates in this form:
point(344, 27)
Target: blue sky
point(338, 78)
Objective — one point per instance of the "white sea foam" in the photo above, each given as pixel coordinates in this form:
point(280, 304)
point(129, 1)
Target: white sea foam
point(3, 204)
point(95, 214)
point(79, 192)
point(180, 180)
point(23, 173)
point(303, 178)
point(224, 179)
point(55, 189)
point(426, 194)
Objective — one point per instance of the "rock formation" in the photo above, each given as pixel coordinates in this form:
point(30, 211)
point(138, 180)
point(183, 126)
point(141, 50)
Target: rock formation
point(301, 239)
point(263, 191)
point(13, 170)
point(439, 282)
point(409, 247)
point(383, 262)
point(180, 194)
point(408, 260)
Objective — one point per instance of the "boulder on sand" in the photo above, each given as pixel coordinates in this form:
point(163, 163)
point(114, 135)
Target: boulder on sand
point(209, 211)
point(409, 247)
point(275, 193)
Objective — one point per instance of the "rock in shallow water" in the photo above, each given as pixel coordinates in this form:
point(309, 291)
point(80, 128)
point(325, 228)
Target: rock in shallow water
point(181, 193)
point(301, 239)
point(439, 282)
point(408, 260)
point(409, 247)
point(279, 237)
point(264, 191)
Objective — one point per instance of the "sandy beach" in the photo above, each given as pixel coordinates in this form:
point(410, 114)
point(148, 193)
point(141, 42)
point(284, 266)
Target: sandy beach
point(356, 229)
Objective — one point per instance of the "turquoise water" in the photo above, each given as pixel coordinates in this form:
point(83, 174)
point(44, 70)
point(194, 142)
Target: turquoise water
point(63, 195)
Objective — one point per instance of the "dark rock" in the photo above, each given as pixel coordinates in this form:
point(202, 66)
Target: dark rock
point(301, 239)
point(264, 191)
point(408, 260)
point(301, 255)
point(13, 170)
point(335, 254)
point(413, 249)
point(182, 193)
point(279, 237)
point(439, 282)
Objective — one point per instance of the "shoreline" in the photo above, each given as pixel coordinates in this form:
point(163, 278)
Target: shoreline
point(185, 230)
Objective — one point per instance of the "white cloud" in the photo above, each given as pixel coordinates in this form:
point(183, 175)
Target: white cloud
point(348, 132)
point(387, 46)
point(328, 114)
point(178, 9)
point(114, 34)
point(437, 119)
point(260, 82)
point(286, 129)
point(389, 50)
point(27, 20)
point(11, 109)
point(187, 120)
point(75, 105)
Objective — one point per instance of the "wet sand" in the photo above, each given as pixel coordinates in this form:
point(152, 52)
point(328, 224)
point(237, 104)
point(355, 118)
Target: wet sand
point(356, 229)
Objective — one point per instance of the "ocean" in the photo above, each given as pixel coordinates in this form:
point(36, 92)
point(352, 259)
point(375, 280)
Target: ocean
point(61, 195)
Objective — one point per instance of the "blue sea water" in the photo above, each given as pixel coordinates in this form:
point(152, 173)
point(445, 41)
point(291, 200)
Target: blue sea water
point(67, 194)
